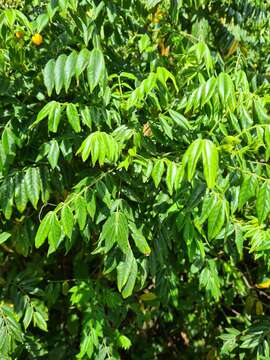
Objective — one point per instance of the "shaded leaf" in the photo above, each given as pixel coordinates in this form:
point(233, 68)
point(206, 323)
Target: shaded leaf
point(53, 154)
point(4, 236)
point(82, 61)
point(43, 229)
point(263, 201)
point(128, 289)
point(54, 235)
point(32, 184)
point(158, 171)
point(54, 117)
point(115, 230)
point(48, 75)
point(69, 69)
point(139, 239)
point(73, 117)
point(96, 68)
point(216, 219)
point(81, 211)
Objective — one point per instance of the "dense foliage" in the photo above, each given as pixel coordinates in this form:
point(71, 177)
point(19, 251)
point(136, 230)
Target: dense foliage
point(135, 179)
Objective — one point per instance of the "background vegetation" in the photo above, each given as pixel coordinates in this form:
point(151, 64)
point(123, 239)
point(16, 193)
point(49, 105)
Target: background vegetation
point(134, 179)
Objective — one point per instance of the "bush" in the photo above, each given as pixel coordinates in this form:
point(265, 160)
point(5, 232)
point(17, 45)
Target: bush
point(135, 179)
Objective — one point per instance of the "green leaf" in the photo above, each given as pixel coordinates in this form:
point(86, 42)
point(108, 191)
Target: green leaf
point(3, 158)
point(59, 72)
point(10, 330)
point(239, 240)
point(40, 22)
point(40, 319)
point(123, 270)
point(225, 87)
point(73, 117)
point(28, 316)
point(97, 149)
point(124, 342)
point(81, 211)
point(96, 68)
point(247, 190)
point(115, 230)
point(180, 120)
point(128, 289)
point(267, 142)
point(54, 235)
point(54, 117)
point(10, 15)
point(164, 121)
point(48, 75)
point(44, 184)
point(82, 61)
point(163, 75)
point(209, 202)
point(67, 220)
point(53, 154)
point(69, 69)
point(263, 201)
point(102, 146)
point(4, 236)
point(91, 203)
point(203, 54)
point(103, 193)
point(8, 142)
point(86, 116)
point(210, 162)
point(44, 112)
point(6, 197)
point(158, 171)
point(151, 3)
point(194, 99)
point(144, 43)
point(139, 239)
point(32, 184)
point(20, 195)
point(260, 113)
point(216, 219)
point(210, 280)
point(171, 176)
point(85, 148)
point(208, 90)
point(191, 157)
point(43, 229)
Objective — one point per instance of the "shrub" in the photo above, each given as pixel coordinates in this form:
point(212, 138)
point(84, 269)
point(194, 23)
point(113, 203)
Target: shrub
point(134, 179)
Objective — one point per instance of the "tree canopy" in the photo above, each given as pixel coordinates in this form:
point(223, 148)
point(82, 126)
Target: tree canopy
point(134, 179)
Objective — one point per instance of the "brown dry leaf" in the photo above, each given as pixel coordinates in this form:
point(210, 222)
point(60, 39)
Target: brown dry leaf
point(147, 130)
point(163, 50)
point(184, 338)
